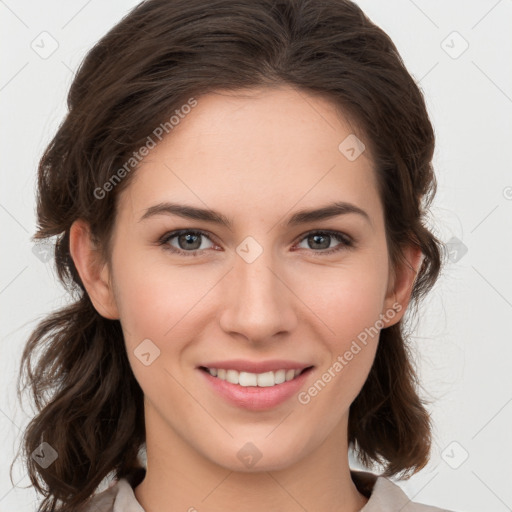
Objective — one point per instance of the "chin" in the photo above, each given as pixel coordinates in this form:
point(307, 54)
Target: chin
point(259, 454)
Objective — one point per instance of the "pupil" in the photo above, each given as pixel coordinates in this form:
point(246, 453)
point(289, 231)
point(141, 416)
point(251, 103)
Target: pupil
point(316, 238)
point(190, 238)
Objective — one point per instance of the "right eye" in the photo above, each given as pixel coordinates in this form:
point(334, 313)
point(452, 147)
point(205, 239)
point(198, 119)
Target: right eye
point(188, 242)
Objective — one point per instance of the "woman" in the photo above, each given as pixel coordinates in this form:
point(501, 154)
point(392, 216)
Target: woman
point(238, 192)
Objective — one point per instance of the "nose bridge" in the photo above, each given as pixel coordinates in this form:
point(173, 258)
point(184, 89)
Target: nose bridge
point(257, 303)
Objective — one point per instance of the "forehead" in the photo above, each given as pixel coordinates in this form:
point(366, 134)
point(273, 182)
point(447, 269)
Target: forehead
point(260, 149)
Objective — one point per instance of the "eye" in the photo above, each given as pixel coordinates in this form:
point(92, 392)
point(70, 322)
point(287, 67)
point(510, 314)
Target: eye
point(322, 240)
point(188, 242)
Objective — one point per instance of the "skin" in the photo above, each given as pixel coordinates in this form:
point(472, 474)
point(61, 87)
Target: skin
point(257, 159)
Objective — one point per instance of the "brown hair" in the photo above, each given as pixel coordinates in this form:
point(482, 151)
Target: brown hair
point(164, 52)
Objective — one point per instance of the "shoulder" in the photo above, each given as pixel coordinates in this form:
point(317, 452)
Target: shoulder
point(386, 496)
point(119, 497)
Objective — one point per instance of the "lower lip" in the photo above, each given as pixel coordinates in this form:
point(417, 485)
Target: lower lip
point(254, 397)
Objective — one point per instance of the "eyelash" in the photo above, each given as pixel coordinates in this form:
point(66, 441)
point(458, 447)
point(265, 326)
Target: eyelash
point(346, 241)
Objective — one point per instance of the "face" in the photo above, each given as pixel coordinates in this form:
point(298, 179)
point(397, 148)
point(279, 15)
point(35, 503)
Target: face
point(265, 285)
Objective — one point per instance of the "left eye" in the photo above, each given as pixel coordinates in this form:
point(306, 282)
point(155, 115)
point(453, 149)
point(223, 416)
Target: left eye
point(323, 239)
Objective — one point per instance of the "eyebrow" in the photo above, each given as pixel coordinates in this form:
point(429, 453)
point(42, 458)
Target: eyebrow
point(300, 217)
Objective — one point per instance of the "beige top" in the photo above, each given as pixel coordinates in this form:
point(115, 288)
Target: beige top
point(383, 494)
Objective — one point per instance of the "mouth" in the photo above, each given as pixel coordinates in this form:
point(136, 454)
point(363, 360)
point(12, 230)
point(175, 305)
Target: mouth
point(270, 378)
point(255, 391)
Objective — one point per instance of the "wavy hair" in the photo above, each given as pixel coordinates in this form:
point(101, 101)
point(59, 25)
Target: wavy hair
point(89, 404)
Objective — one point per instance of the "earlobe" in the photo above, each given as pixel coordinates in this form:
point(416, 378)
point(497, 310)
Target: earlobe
point(402, 283)
point(93, 272)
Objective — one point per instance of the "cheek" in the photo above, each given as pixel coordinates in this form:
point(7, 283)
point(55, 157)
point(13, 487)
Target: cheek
point(347, 299)
point(351, 343)
point(348, 302)
point(153, 298)
point(348, 373)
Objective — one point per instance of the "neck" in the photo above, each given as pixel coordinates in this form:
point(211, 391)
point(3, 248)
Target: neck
point(178, 478)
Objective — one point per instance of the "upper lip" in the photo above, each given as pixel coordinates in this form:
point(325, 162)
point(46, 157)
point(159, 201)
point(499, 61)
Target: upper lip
point(243, 365)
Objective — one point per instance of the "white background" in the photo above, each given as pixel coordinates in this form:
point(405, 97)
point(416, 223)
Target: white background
point(463, 342)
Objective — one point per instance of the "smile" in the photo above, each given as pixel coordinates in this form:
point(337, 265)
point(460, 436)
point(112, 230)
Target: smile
point(246, 379)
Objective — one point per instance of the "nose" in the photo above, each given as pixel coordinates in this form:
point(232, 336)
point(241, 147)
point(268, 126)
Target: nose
point(257, 301)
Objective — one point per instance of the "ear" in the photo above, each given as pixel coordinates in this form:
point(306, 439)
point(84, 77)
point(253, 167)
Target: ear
point(93, 272)
point(401, 284)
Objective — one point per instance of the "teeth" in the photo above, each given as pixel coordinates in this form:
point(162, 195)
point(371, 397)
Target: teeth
point(280, 376)
point(232, 376)
point(250, 379)
point(245, 379)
